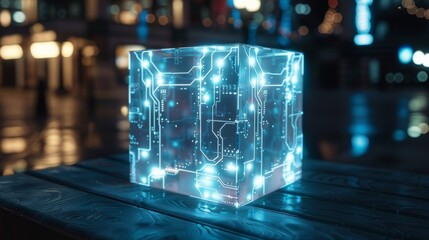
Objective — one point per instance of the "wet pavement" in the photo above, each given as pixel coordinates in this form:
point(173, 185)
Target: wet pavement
point(379, 129)
point(372, 128)
point(73, 129)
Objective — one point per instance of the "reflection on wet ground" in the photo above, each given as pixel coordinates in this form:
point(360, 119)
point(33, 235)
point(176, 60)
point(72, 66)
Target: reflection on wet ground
point(381, 129)
point(72, 130)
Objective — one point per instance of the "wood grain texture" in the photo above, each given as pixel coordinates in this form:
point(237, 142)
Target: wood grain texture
point(354, 197)
point(386, 176)
point(107, 166)
point(330, 210)
point(248, 220)
point(372, 199)
point(84, 215)
point(370, 185)
point(332, 201)
point(387, 224)
point(122, 157)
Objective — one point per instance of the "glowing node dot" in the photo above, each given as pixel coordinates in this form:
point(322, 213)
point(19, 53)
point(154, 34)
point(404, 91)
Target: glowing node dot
point(298, 150)
point(206, 194)
point(249, 167)
point(262, 81)
point(150, 54)
point(216, 78)
point(145, 64)
point(253, 82)
point(289, 96)
point(258, 181)
point(252, 107)
point(290, 157)
point(148, 82)
point(252, 61)
point(145, 154)
point(294, 79)
point(144, 180)
point(206, 97)
point(231, 167)
point(205, 50)
point(220, 63)
point(209, 169)
point(249, 197)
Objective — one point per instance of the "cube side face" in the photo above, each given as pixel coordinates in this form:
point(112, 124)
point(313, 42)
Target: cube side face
point(271, 114)
point(183, 111)
point(220, 123)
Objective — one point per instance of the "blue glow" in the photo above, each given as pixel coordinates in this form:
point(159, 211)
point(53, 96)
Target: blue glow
point(142, 28)
point(360, 144)
point(399, 135)
point(405, 54)
point(363, 23)
point(302, 9)
point(285, 21)
point(223, 124)
point(363, 39)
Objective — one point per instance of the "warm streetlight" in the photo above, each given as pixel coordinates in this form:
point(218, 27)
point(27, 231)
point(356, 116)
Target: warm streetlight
point(67, 49)
point(45, 49)
point(239, 4)
point(250, 5)
point(8, 52)
point(247, 8)
point(253, 6)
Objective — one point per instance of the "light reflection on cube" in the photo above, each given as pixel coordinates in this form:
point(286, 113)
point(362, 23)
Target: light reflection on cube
point(220, 123)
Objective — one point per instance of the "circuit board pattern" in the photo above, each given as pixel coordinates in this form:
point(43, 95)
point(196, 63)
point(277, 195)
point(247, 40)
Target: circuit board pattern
point(221, 123)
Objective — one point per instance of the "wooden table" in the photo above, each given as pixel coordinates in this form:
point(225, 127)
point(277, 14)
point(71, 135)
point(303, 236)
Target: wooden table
point(94, 199)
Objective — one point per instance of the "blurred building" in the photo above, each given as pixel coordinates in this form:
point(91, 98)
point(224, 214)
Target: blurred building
point(75, 44)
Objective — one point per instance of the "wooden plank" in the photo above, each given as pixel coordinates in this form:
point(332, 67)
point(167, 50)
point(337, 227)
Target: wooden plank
point(371, 200)
point(122, 157)
point(83, 215)
point(392, 176)
point(108, 166)
point(367, 184)
point(345, 175)
point(332, 211)
point(365, 198)
point(416, 180)
point(384, 223)
point(13, 226)
point(247, 220)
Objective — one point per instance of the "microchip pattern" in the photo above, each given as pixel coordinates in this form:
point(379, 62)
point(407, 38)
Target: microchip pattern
point(221, 123)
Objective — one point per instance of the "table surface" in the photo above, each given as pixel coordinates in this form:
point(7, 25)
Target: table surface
point(94, 199)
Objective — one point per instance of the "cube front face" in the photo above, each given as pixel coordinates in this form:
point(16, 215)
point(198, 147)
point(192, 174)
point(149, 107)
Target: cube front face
point(221, 123)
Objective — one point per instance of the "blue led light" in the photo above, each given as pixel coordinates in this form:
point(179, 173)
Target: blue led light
point(360, 144)
point(363, 23)
point(221, 123)
point(405, 54)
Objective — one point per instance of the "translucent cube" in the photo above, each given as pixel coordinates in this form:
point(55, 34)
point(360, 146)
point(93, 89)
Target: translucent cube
point(221, 123)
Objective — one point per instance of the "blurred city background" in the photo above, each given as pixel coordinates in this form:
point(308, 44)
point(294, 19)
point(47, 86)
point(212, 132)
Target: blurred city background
point(63, 72)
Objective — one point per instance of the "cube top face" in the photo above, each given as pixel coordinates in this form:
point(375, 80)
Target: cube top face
point(221, 123)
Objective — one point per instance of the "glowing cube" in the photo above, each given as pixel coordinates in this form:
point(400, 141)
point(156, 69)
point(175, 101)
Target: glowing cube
point(220, 123)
